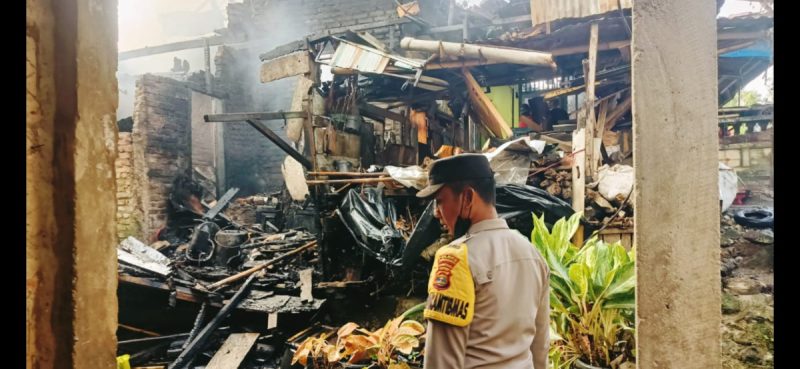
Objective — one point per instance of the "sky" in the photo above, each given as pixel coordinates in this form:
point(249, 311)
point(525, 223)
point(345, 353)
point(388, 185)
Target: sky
point(154, 22)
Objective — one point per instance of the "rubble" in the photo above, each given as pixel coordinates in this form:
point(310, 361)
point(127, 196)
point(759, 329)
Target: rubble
point(347, 230)
point(747, 300)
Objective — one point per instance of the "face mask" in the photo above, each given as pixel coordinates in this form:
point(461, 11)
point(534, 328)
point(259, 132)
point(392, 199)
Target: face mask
point(462, 224)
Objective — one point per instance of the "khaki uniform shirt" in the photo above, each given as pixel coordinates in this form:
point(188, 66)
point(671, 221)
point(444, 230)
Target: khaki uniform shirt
point(510, 326)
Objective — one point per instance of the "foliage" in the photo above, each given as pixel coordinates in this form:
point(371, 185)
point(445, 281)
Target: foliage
point(356, 345)
point(592, 297)
point(745, 98)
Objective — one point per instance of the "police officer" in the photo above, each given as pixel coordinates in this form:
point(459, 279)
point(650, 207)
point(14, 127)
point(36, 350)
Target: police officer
point(488, 293)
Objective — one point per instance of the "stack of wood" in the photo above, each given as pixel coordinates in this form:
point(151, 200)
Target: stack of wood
point(616, 212)
point(556, 182)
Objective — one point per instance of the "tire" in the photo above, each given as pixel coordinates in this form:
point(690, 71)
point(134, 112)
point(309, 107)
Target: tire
point(755, 218)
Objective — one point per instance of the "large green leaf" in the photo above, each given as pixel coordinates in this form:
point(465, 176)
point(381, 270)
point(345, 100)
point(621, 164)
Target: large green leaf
point(579, 276)
point(624, 281)
point(599, 277)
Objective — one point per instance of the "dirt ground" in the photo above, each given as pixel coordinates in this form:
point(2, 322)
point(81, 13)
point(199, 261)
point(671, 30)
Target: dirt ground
point(747, 298)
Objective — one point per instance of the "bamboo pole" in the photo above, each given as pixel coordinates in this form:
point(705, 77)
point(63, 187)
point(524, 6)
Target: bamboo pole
point(346, 174)
point(355, 180)
point(491, 53)
point(256, 268)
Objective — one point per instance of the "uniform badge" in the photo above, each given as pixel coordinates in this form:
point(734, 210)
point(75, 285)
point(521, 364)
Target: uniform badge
point(444, 271)
point(451, 291)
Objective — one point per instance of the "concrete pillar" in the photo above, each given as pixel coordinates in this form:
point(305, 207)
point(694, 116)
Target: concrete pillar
point(71, 136)
point(677, 198)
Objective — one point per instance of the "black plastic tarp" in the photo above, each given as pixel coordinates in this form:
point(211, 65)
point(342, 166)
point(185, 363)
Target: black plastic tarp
point(371, 221)
point(366, 218)
point(514, 200)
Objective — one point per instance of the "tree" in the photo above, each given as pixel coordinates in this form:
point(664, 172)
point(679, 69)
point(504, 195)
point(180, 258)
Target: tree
point(745, 98)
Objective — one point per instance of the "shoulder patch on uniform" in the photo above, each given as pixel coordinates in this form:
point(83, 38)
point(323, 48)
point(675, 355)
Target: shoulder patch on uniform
point(451, 291)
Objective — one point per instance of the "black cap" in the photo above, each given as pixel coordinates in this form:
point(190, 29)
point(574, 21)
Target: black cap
point(463, 167)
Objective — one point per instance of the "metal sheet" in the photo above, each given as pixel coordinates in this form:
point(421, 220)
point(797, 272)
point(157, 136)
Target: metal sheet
point(366, 59)
point(549, 10)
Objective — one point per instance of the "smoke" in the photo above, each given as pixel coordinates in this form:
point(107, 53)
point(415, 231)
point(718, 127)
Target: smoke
point(279, 23)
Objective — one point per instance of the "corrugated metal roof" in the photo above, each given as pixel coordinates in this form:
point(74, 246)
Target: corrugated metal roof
point(366, 59)
point(549, 10)
point(352, 57)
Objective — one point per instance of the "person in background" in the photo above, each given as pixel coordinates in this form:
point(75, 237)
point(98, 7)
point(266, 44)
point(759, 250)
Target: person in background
point(526, 119)
point(556, 113)
point(539, 114)
point(419, 118)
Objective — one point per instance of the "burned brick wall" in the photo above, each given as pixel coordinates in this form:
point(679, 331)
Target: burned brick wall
point(252, 162)
point(128, 223)
point(203, 134)
point(161, 141)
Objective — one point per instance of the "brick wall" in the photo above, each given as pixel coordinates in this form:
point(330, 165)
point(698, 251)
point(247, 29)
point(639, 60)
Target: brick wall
point(161, 141)
point(252, 162)
point(203, 134)
point(128, 221)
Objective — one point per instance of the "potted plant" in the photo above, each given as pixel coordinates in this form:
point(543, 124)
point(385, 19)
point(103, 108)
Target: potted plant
point(592, 297)
point(390, 347)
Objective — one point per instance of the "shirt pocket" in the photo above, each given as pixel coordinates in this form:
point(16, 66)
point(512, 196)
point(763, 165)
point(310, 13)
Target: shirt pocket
point(483, 275)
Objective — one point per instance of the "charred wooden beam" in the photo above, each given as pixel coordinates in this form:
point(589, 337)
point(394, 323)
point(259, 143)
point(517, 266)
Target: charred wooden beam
point(241, 117)
point(221, 203)
point(272, 136)
point(251, 119)
point(379, 114)
point(197, 344)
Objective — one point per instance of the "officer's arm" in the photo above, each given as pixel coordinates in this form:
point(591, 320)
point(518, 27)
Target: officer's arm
point(445, 345)
point(541, 340)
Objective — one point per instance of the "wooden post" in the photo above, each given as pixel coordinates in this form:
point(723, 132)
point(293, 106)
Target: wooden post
point(489, 116)
point(590, 69)
point(578, 178)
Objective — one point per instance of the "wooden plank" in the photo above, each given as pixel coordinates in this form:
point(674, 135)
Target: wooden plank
point(241, 117)
point(147, 265)
point(374, 42)
point(354, 180)
point(306, 285)
point(563, 145)
point(256, 268)
point(601, 117)
point(294, 126)
point(233, 351)
point(294, 64)
point(193, 348)
point(294, 178)
point(622, 44)
point(139, 330)
point(626, 142)
point(174, 46)
point(379, 114)
point(578, 177)
point(487, 112)
point(738, 119)
point(183, 293)
point(618, 111)
point(592, 152)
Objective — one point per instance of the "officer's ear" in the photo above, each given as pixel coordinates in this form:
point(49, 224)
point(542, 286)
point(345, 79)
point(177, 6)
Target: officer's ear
point(469, 194)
